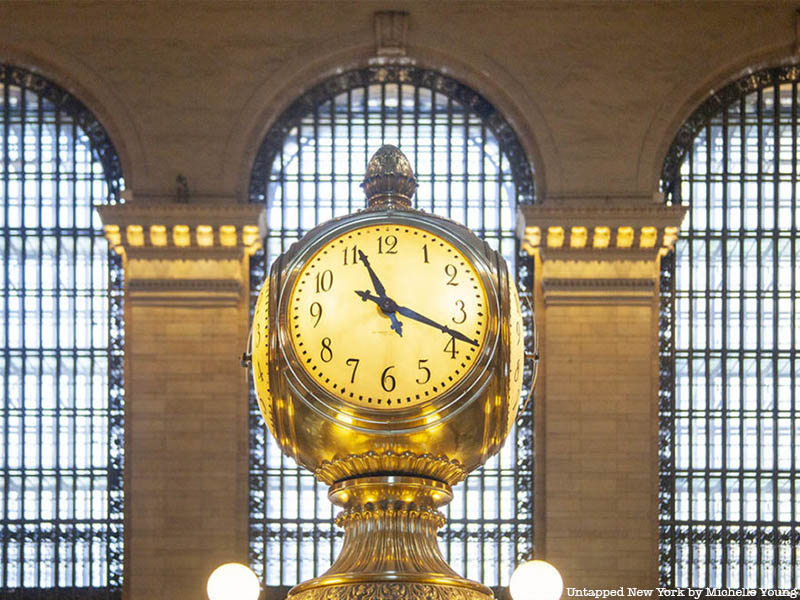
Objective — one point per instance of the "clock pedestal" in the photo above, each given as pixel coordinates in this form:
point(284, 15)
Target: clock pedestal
point(412, 384)
point(390, 549)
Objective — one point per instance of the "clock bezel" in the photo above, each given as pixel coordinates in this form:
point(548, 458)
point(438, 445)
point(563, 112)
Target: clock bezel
point(303, 387)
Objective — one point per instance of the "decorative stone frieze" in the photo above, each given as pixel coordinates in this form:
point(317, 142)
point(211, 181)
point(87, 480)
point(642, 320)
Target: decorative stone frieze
point(158, 231)
point(599, 231)
point(599, 252)
point(182, 254)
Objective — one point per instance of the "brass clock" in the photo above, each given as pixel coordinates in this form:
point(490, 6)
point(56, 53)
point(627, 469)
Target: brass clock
point(387, 355)
point(388, 316)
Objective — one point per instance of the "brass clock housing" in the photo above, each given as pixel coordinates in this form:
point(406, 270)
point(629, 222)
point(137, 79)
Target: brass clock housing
point(390, 459)
point(316, 426)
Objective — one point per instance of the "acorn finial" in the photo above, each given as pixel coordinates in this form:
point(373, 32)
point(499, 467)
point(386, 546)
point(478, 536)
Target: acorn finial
point(389, 179)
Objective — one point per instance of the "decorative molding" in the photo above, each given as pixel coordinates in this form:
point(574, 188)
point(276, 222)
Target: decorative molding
point(196, 293)
point(595, 254)
point(390, 33)
point(598, 291)
point(383, 510)
point(439, 468)
point(191, 214)
point(193, 252)
point(172, 231)
point(591, 230)
point(395, 590)
point(598, 284)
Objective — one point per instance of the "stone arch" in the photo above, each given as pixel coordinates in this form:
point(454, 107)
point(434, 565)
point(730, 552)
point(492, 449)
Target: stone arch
point(459, 61)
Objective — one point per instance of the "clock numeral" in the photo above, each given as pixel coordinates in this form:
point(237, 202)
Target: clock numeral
point(347, 252)
point(354, 362)
point(387, 381)
point(386, 245)
point(325, 353)
point(260, 372)
point(425, 369)
point(460, 305)
point(258, 338)
point(516, 372)
point(425, 253)
point(324, 280)
point(451, 272)
point(450, 347)
point(316, 311)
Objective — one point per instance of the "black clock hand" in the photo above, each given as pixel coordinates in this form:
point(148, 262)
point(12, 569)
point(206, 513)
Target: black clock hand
point(376, 283)
point(387, 305)
point(407, 312)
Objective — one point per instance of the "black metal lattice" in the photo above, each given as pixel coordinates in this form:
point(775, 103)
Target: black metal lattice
point(470, 167)
point(729, 326)
point(61, 413)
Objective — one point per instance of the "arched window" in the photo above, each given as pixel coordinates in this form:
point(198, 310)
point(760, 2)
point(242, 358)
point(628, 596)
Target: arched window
point(61, 372)
point(730, 326)
point(471, 168)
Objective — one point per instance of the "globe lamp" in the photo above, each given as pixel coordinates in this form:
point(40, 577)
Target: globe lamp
point(536, 580)
point(233, 581)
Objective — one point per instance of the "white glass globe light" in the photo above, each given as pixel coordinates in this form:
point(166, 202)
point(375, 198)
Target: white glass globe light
point(536, 580)
point(233, 581)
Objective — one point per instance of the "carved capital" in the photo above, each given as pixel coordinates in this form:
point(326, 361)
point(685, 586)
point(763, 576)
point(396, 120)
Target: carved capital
point(182, 231)
point(183, 254)
point(599, 230)
point(598, 251)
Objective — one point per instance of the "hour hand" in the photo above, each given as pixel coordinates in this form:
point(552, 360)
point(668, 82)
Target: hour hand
point(387, 306)
point(376, 283)
point(412, 314)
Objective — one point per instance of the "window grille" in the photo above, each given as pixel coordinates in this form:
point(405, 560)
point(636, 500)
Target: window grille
point(470, 167)
point(730, 324)
point(61, 372)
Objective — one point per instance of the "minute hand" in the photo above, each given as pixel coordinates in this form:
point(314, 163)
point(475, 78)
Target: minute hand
point(411, 314)
point(376, 283)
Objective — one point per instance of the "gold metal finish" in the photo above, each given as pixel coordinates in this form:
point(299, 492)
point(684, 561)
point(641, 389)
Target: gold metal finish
point(389, 179)
point(335, 340)
point(394, 362)
point(390, 526)
point(439, 468)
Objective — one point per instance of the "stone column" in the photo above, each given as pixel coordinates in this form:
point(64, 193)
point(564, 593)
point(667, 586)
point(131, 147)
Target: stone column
point(186, 430)
point(596, 411)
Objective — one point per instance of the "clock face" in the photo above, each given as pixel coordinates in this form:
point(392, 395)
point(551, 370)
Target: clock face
point(388, 316)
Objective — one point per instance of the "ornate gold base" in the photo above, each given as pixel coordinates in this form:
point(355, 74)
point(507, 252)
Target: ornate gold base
point(390, 551)
point(391, 591)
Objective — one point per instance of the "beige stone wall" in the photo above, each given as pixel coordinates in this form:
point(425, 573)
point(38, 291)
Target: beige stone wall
point(186, 471)
point(599, 522)
point(596, 91)
point(595, 88)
